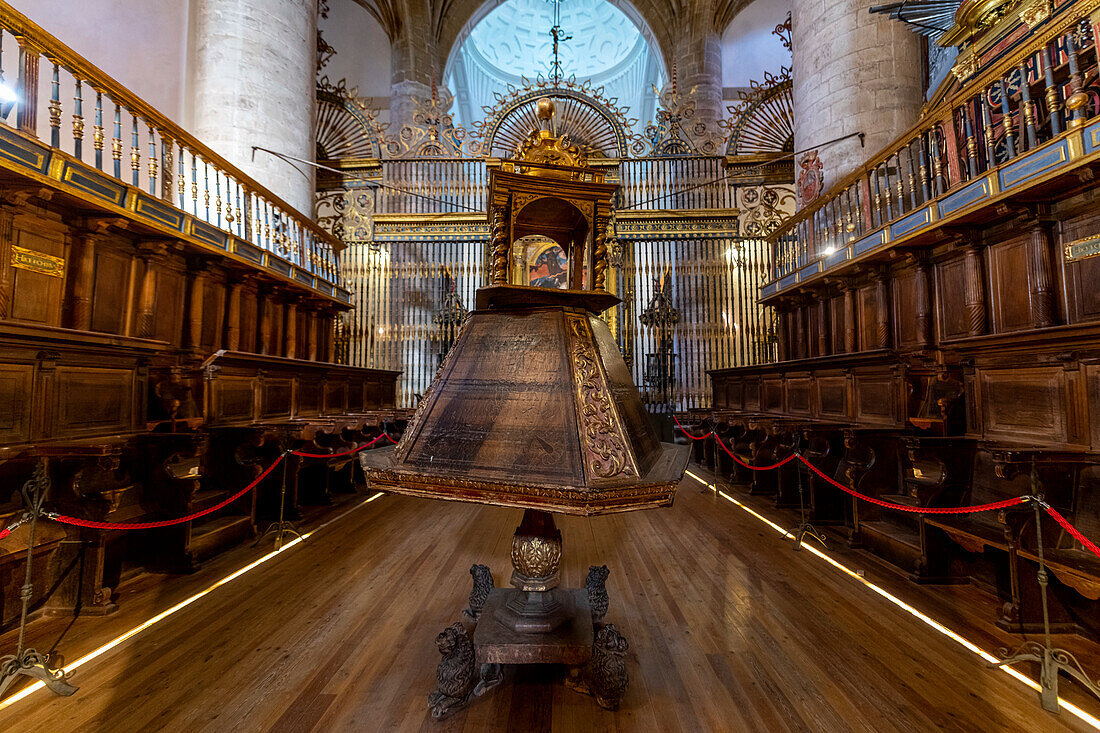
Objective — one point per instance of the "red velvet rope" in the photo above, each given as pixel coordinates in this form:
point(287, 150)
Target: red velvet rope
point(1072, 530)
point(701, 437)
point(78, 522)
point(339, 455)
point(888, 504)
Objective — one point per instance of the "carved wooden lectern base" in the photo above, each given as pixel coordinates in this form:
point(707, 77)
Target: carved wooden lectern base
point(534, 622)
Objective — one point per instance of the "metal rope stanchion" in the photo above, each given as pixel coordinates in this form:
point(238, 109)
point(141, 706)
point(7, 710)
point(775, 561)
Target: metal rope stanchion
point(805, 527)
point(28, 662)
point(284, 525)
point(1051, 660)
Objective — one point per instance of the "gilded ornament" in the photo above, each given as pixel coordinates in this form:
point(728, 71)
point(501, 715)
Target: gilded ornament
point(536, 557)
point(608, 456)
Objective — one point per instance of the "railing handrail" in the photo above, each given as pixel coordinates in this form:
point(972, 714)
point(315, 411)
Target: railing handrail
point(931, 115)
point(55, 50)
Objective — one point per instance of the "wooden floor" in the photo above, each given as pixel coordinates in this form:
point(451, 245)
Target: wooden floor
point(729, 631)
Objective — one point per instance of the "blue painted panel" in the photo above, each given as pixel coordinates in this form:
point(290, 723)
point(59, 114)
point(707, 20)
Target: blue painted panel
point(248, 251)
point(278, 265)
point(25, 153)
point(1034, 164)
point(156, 210)
point(837, 257)
point(209, 234)
point(324, 287)
point(869, 242)
point(342, 294)
point(768, 289)
point(911, 223)
point(95, 183)
point(788, 281)
point(303, 276)
point(965, 196)
point(811, 269)
point(1092, 138)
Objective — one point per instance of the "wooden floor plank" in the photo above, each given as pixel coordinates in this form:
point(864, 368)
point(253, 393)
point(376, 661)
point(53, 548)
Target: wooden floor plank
point(728, 630)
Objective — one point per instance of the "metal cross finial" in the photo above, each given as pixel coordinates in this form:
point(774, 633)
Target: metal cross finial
point(558, 35)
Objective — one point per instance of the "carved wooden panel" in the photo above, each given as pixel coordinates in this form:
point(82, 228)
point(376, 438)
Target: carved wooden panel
point(336, 396)
point(91, 400)
point(868, 316)
point(951, 298)
point(16, 382)
point(837, 318)
point(249, 322)
point(112, 291)
point(1024, 404)
point(213, 315)
point(37, 296)
point(721, 393)
point(752, 394)
point(875, 399)
point(276, 398)
point(232, 399)
point(1010, 294)
point(905, 309)
point(832, 396)
point(1082, 275)
point(798, 395)
point(772, 396)
point(309, 397)
point(169, 305)
point(356, 394)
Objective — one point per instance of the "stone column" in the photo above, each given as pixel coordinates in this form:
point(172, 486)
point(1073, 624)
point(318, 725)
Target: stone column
point(415, 62)
point(252, 73)
point(698, 58)
point(853, 72)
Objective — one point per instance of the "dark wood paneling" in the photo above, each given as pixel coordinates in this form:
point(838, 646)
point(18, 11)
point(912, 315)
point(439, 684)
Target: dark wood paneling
point(1024, 404)
point(905, 309)
point(169, 305)
point(37, 297)
point(951, 298)
point(112, 288)
point(15, 402)
point(868, 313)
point(1010, 292)
point(93, 401)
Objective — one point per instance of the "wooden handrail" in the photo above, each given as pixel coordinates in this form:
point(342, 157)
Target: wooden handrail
point(38, 39)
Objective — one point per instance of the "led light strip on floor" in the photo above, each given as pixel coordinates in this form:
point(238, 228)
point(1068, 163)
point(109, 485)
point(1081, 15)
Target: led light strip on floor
point(180, 606)
point(971, 646)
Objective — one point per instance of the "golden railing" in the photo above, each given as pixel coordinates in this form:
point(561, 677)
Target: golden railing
point(130, 140)
point(1006, 107)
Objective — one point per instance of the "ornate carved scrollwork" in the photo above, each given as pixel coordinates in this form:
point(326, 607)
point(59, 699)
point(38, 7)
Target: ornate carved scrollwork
point(607, 454)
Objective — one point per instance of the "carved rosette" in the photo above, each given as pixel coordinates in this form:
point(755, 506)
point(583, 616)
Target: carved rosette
point(606, 453)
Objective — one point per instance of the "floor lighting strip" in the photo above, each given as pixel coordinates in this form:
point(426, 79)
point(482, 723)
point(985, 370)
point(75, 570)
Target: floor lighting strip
point(179, 606)
point(969, 645)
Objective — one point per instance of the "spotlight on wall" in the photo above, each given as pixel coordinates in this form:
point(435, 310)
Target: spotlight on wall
point(829, 251)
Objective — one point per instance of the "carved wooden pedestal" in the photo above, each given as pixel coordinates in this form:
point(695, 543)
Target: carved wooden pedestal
point(533, 623)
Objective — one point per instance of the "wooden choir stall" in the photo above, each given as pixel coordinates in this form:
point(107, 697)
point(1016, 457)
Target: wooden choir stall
point(938, 330)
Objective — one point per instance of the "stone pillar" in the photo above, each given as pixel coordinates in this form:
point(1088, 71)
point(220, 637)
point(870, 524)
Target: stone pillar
point(853, 72)
point(252, 74)
point(698, 58)
point(415, 63)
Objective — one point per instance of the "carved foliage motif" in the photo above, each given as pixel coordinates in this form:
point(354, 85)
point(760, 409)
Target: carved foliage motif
point(607, 455)
point(536, 557)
